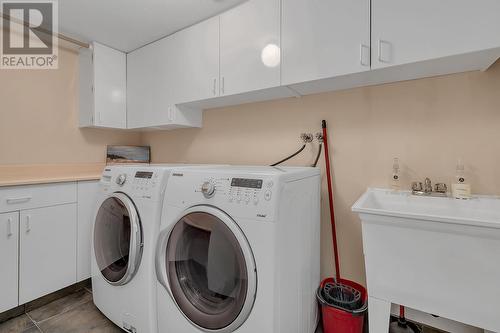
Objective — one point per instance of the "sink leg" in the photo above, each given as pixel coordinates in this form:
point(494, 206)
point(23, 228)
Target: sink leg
point(379, 315)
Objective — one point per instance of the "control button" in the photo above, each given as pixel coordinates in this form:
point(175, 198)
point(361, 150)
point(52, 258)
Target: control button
point(230, 199)
point(255, 200)
point(121, 179)
point(268, 195)
point(270, 184)
point(208, 189)
point(247, 199)
point(238, 198)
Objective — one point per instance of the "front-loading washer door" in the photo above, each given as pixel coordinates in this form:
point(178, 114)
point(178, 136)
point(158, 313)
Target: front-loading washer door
point(118, 239)
point(210, 269)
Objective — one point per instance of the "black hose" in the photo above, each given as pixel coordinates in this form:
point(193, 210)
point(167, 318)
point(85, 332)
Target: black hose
point(320, 148)
point(291, 156)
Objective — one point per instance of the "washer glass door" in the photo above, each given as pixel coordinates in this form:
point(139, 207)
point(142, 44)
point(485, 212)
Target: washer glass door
point(117, 239)
point(211, 270)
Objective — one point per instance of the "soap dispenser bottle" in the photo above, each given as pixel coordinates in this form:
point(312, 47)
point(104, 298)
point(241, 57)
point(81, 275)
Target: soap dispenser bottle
point(395, 180)
point(461, 189)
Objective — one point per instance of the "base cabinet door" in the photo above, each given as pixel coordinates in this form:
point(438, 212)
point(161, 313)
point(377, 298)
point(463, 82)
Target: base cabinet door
point(87, 202)
point(47, 250)
point(9, 235)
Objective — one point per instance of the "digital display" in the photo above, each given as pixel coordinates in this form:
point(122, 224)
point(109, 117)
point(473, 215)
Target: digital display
point(144, 174)
point(245, 182)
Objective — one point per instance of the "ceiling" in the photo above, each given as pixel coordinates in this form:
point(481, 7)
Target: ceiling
point(128, 24)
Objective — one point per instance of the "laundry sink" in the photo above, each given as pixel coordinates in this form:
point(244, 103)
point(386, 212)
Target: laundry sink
point(433, 254)
point(478, 211)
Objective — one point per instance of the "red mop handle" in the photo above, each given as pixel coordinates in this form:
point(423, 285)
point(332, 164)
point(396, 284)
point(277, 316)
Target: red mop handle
point(330, 201)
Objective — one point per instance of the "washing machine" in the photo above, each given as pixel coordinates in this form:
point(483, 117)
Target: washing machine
point(239, 251)
point(124, 234)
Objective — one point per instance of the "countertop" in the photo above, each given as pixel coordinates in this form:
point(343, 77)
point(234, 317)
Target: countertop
point(12, 175)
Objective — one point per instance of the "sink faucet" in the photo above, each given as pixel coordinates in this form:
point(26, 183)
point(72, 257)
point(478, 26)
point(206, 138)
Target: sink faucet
point(427, 186)
point(440, 189)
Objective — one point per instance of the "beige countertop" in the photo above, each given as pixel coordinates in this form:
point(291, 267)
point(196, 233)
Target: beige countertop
point(11, 175)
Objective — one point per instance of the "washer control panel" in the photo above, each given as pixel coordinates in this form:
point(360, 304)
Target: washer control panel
point(134, 181)
point(145, 182)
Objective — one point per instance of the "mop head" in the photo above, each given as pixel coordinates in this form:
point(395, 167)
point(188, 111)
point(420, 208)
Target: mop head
point(342, 296)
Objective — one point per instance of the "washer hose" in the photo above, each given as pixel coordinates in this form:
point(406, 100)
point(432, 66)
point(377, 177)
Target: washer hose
point(318, 155)
point(291, 156)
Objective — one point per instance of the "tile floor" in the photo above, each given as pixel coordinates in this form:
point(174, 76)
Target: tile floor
point(75, 313)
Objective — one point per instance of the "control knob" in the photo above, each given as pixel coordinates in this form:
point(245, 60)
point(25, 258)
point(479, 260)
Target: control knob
point(121, 179)
point(208, 189)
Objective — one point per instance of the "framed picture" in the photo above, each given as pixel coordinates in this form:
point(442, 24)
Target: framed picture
point(128, 154)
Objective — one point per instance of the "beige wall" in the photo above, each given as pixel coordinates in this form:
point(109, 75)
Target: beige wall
point(427, 123)
point(39, 118)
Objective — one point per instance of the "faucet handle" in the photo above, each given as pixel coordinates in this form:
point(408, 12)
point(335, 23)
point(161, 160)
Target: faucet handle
point(417, 187)
point(440, 188)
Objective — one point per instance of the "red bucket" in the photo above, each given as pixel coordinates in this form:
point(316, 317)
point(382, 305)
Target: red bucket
point(337, 320)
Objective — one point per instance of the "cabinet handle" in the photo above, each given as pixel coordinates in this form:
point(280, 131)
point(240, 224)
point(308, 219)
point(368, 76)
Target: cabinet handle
point(11, 201)
point(214, 87)
point(381, 44)
point(362, 53)
point(223, 86)
point(28, 223)
point(9, 227)
point(171, 114)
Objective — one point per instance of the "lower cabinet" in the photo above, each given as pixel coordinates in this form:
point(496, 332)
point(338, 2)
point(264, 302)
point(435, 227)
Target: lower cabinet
point(45, 239)
point(87, 206)
point(9, 235)
point(47, 250)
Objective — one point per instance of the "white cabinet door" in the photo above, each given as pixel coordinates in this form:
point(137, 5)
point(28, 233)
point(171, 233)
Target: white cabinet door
point(152, 75)
point(9, 236)
point(87, 201)
point(110, 85)
point(407, 31)
point(324, 38)
point(195, 62)
point(250, 47)
point(47, 258)
point(102, 93)
point(149, 85)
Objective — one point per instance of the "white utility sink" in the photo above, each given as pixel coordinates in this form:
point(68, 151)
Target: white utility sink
point(432, 254)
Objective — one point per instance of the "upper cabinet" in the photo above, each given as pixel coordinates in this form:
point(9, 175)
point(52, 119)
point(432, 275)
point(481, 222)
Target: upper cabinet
point(152, 78)
point(102, 77)
point(149, 84)
point(195, 62)
point(250, 49)
point(324, 38)
point(267, 49)
point(405, 31)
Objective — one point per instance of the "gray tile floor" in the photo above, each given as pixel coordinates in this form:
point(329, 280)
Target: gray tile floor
point(75, 313)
